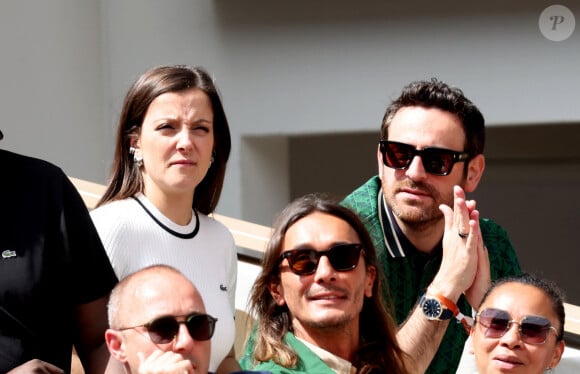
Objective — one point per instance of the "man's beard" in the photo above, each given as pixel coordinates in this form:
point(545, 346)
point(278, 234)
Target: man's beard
point(334, 324)
point(415, 217)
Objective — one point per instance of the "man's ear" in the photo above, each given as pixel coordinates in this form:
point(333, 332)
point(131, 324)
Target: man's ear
point(371, 276)
point(277, 292)
point(474, 173)
point(115, 345)
point(380, 161)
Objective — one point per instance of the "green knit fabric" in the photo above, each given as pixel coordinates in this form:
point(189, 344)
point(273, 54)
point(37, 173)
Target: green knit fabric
point(409, 276)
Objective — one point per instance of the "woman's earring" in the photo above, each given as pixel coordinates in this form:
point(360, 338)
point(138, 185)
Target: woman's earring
point(137, 157)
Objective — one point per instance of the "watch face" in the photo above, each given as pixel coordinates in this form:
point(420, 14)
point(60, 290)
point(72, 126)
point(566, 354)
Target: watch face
point(432, 308)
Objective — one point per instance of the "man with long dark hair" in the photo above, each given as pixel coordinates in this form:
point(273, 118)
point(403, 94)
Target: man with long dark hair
point(319, 299)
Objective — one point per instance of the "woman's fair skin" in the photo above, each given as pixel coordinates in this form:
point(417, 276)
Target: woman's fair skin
point(509, 354)
point(176, 142)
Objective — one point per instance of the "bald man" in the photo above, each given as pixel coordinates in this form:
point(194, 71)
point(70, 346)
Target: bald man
point(158, 323)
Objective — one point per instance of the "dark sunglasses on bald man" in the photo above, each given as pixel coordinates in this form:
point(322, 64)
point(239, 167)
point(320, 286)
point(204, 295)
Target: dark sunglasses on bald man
point(164, 329)
point(342, 257)
point(532, 329)
point(436, 161)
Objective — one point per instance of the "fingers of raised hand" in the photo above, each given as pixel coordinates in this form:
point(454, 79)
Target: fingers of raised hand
point(461, 212)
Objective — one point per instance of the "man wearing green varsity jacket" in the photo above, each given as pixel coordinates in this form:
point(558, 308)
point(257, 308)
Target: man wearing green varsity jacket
point(438, 255)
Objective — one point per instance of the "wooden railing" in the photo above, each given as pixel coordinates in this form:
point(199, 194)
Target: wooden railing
point(252, 238)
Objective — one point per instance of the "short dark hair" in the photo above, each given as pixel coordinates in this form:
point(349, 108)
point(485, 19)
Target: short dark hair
point(126, 179)
point(437, 94)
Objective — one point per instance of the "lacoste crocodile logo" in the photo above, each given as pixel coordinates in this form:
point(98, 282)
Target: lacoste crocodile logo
point(8, 253)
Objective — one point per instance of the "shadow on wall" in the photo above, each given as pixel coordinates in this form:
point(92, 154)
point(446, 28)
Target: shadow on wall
point(530, 187)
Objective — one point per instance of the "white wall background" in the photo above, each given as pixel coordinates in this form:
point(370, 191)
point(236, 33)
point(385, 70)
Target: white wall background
point(285, 69)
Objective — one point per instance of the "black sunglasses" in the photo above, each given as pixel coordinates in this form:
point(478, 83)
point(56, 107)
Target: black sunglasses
point(437, 161)
point(164, 329)
point(532, 329)
point(342, 257)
